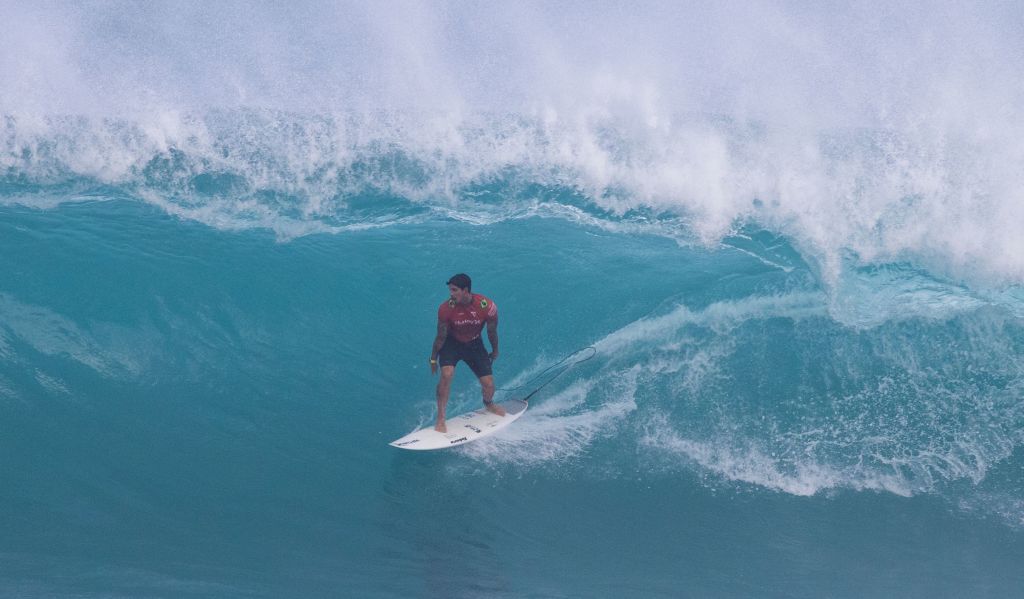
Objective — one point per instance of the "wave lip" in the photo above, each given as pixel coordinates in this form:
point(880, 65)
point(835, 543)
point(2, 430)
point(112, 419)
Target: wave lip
point(879, 195)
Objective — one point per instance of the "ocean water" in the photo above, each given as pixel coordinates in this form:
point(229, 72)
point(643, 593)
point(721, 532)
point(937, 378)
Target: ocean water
point(791, 235)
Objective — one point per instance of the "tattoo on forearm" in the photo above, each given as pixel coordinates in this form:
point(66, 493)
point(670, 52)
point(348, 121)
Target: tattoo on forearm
point(442, 334)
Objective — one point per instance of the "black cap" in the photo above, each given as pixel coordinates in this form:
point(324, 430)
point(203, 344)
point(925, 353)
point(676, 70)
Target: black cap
point(462, 281)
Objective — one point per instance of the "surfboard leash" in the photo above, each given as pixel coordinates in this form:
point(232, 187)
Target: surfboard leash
point(553, 372)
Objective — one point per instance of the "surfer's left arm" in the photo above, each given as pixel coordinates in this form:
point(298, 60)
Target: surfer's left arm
point(492, 336)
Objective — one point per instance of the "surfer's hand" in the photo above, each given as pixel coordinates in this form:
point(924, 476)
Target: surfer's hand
point(433, 367)
point(494, 355)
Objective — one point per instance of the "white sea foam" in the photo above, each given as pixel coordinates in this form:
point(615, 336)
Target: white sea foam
point(892, 424)
point(909, 413)
point(565, 425)
point(755, 466)
point(720, 317)
point(857, 453)
point(879, 132)
point(1006, 506)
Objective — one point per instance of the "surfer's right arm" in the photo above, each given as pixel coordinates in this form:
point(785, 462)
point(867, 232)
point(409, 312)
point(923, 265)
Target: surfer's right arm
point(442, 334)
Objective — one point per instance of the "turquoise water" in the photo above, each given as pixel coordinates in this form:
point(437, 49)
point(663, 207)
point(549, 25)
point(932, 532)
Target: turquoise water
point(218, 289)
point(194, 412)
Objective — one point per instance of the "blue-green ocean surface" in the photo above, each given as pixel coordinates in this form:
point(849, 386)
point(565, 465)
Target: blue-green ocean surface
point(225, 232)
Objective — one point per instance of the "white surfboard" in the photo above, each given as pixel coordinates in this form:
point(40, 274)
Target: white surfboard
point(463, 428)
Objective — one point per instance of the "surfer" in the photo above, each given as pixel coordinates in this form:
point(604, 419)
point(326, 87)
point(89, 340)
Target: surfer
point(460, 319)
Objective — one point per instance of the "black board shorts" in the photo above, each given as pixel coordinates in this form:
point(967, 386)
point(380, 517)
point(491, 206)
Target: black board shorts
point(474, 354)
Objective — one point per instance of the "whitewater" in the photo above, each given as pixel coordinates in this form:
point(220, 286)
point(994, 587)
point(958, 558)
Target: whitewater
point(791, 235)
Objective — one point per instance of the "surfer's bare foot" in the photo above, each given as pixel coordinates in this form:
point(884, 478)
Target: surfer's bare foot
point(495, 409)
point(440, 427)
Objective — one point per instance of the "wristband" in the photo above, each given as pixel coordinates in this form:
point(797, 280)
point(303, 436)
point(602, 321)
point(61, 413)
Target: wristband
point(433, 361)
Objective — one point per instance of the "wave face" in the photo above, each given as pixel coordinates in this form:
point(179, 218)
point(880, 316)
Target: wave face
point(791, 236)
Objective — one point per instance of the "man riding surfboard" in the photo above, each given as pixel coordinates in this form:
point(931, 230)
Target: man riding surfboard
point(460, 320)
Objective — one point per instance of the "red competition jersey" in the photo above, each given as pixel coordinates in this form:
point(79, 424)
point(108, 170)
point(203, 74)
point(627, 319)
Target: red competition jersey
point(465, 321)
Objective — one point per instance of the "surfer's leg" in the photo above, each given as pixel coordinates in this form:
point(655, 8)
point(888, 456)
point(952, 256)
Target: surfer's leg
point(443, 387)
point(480, 363)
point(487, 387)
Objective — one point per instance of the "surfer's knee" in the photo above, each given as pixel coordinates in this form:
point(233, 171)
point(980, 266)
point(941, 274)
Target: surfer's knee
point(447, 372)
